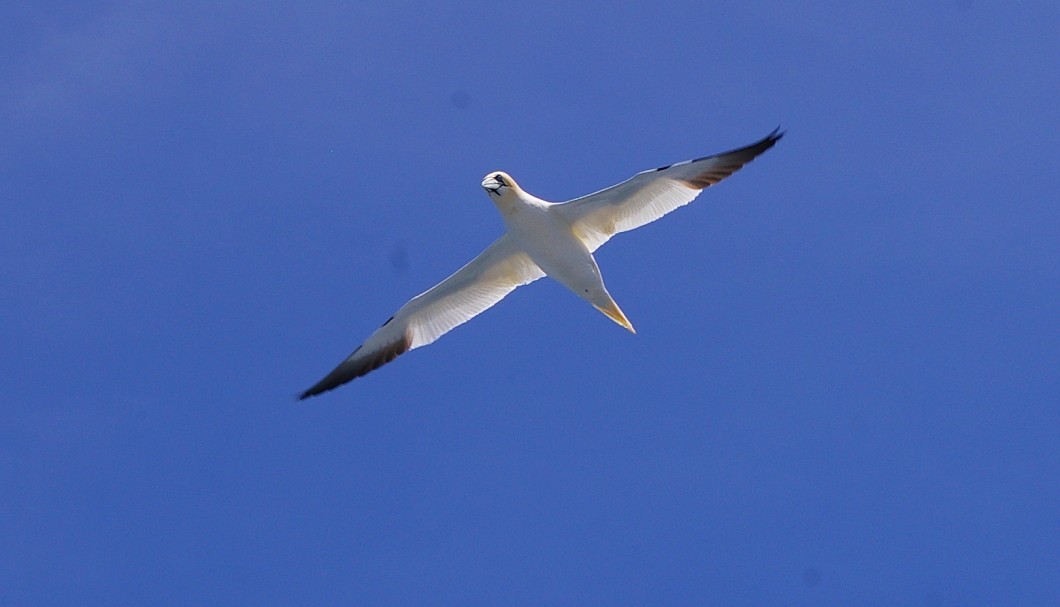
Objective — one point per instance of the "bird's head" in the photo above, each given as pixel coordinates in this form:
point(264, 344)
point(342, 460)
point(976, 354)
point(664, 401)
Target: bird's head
point(498, 183)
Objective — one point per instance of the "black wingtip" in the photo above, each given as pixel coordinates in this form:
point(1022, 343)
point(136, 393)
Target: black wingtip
point(769, 140)
point(757, 148)
point(330, 382)
point(727, 163)
point(308, 393)
point(355, 366)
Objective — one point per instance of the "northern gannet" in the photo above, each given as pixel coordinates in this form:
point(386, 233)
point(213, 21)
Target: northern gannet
point(541, 238)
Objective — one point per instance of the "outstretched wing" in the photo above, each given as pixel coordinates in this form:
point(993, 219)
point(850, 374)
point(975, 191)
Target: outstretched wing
point(649, 195)
point(474, 288)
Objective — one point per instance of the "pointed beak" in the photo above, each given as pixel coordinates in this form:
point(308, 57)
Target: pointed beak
point(491, 185)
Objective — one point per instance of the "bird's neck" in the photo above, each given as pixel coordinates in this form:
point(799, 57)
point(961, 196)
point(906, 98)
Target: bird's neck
point(512, 203)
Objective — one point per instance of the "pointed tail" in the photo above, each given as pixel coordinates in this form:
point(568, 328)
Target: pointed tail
point(613, 312)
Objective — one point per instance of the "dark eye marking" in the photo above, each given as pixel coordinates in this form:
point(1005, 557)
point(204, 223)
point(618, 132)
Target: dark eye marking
point(500, 180)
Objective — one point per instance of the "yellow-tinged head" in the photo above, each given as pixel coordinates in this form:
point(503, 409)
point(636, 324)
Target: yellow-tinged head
point(499, 183)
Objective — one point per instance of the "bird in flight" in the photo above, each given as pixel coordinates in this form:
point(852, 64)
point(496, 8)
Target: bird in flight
point(541, 238)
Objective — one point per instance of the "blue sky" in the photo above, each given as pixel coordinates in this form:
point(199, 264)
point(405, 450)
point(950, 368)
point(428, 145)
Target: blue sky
point(844, 388)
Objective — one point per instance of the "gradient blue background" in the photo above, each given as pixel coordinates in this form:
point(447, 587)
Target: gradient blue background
point(843, 391)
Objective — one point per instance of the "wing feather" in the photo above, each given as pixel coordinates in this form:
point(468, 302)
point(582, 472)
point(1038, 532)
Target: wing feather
point(471, 290)
point(649, 195)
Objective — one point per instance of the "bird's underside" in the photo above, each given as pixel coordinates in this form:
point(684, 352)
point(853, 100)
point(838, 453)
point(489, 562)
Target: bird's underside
point(540, 238)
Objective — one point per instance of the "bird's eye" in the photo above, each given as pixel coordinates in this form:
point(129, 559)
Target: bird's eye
point(500, 180)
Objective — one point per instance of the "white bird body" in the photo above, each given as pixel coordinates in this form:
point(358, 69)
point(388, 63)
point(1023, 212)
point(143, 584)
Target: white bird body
point(557, 239)
point(546, 236)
